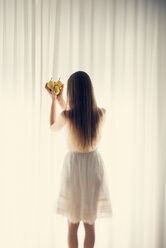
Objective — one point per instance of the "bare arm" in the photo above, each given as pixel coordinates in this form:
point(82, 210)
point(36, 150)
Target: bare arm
point(53, 112)
point(62, 103)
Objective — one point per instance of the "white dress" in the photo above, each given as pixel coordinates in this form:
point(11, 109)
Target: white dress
point(84, 193)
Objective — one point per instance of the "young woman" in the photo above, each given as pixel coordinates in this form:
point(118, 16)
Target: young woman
point(84, 194)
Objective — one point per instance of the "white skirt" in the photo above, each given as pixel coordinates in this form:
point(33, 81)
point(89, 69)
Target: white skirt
point(84, 193)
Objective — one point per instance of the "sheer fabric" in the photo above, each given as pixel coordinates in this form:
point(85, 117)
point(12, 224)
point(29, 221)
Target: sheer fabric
point(84, 194)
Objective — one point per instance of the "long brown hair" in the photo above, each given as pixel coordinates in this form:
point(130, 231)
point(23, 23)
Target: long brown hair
point(83, 115)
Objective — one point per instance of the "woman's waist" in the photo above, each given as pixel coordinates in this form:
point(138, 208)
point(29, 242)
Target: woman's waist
point(82, 152)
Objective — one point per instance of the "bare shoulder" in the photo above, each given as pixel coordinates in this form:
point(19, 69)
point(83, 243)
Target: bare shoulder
point(103, 110)
point(63, 114)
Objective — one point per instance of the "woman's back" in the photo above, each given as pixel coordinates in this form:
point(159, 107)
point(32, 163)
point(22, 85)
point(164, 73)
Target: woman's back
point(75, 144)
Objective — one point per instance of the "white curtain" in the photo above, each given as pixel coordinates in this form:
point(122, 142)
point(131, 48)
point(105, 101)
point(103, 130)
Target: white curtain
point(121, 45)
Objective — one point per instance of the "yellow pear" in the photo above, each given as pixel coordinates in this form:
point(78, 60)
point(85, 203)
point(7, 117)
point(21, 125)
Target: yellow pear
point(50, 83)
point(57, 86)
point(59, 83)
point(57, 90)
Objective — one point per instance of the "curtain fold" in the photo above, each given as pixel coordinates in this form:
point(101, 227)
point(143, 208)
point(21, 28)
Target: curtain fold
point(121, 45)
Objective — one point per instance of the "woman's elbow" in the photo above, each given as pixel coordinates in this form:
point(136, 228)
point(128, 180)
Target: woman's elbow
point(53, 128)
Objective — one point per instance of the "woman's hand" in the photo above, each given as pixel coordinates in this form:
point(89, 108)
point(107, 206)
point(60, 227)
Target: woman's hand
point(51, 92)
